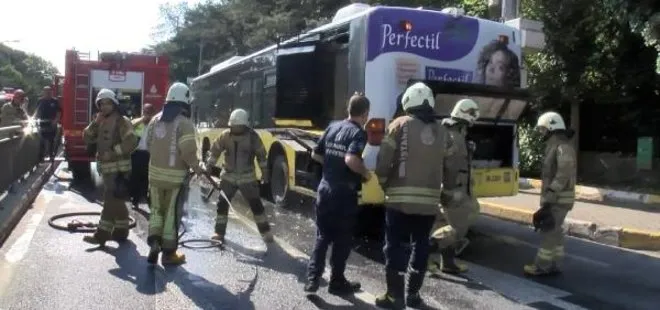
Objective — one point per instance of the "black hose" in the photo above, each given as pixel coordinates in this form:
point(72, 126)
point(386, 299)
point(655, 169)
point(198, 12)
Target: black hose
point(86, 229)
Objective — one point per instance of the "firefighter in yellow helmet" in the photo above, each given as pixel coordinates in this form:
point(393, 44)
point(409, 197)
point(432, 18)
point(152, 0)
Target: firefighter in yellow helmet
point(240, 145)
point(173, 151)
point(112, 136)
point(460, 207)
point(557, 194)
point(410, 167)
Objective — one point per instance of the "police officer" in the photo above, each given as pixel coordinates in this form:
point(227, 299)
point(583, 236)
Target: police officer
point(140, 158)
point(171, 143)
point(410, 167)
point(240, 144)
point(557, 194)
point(459, 205)
point(115, 141)
point(339, 150)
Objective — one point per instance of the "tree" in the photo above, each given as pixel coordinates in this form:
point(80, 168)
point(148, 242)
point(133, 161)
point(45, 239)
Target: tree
point(27, 71)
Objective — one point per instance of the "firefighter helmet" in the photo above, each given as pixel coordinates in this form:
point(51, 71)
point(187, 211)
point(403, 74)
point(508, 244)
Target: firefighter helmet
point(417, 95)
point(551, 121)
point(238, 117)
point(106, 94)
point(178, 92)
point(466, 109)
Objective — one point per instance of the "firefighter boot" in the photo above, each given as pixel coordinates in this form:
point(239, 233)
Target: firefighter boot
point(268, 237)
point(434, 264)
point(98, 238)
point(415, 281)
point(449, 262)
point(536, 271)
point(393, 298)
point(173, 258)
point(154, 251)
point(341, 286)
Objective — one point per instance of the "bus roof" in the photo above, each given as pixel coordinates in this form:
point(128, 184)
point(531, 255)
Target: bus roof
point(331, 25)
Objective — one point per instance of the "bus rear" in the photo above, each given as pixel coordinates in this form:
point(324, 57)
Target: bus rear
point(458, 57)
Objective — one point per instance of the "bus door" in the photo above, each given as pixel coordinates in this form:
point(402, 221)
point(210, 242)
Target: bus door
point(494, 164)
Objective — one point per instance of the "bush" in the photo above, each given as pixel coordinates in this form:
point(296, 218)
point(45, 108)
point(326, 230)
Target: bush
point(531, 151)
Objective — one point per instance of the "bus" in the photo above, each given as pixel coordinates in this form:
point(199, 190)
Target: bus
point(294, 89)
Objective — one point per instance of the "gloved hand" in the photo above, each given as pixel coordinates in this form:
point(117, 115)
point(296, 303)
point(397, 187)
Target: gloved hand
point(543, 220)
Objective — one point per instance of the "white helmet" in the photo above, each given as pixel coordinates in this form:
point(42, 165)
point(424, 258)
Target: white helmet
point(238, 117)
point(466, 109)
point(178, 92)
point(551, 121)
point(416, 95)
point(106, 94)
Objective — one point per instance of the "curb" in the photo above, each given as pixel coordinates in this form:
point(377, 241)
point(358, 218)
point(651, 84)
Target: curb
point(614, 236)
point(25, 202)
point(589, 193)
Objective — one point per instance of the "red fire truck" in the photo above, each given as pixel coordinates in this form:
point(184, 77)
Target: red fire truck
point(135, 78)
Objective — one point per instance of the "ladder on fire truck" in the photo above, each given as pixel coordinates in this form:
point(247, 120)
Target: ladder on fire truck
point(81, 106)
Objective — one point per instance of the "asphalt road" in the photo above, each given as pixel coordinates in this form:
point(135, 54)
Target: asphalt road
point(43, 268)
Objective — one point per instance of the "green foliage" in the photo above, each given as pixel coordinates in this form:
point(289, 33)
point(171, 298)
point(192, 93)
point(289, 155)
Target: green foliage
point(26, 71)
point(531, 151)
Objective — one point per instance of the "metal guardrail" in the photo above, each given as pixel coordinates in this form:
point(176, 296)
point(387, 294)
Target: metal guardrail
point(19, 153)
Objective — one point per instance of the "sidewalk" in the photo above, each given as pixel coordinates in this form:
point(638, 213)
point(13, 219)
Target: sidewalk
point(633, 225)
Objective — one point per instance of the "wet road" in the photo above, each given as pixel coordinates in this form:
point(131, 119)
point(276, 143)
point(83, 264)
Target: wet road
point(42, 268)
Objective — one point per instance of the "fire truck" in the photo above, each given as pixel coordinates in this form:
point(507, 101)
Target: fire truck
point(135, 78)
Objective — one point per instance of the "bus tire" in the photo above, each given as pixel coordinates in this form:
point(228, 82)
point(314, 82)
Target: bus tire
point(279, 181)
point(80, 170)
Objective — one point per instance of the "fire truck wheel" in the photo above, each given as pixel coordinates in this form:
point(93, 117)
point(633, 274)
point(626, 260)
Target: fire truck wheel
point(279, 181)
point(80, 170)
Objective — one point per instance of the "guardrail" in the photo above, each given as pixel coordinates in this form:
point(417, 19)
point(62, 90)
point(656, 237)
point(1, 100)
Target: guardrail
point(19, 153)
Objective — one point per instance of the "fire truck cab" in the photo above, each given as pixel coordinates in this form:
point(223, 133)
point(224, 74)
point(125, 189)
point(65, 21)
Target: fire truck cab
point(135, 78)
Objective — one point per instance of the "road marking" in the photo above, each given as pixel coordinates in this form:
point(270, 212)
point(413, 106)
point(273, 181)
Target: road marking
point(522, 291)
point(512, 240)
point(20, 247)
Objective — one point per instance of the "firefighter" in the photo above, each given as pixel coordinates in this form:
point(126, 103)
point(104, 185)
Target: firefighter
point(173, 151)
point(12, 113)
point(451, 226)
point(140, 158)
point(557, 194)
point(410, 166)
point(240, 145)
point(115, 141)
point(340, 152)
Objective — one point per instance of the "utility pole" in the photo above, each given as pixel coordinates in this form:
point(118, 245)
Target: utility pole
point(199, 59)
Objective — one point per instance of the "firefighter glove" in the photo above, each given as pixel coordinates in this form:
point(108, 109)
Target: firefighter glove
point(543, 220)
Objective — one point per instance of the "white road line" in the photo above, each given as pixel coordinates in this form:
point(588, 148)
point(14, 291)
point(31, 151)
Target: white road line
point(518, 289)
point(18, 250)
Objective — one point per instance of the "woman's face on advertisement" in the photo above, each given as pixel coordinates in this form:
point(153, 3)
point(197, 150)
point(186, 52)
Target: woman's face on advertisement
point(496, 69)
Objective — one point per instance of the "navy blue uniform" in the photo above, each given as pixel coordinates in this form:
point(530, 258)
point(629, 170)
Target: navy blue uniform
point(47, 109)
point(337, 198)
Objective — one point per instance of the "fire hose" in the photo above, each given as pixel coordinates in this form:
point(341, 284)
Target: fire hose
point(77, 226)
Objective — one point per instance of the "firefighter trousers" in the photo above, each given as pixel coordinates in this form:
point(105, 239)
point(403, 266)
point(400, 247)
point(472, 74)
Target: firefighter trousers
point(166, 205)
point(400, 230)
point(250, 192)
point(114, 216)
point(551, 251)
point(452, 225)
point(336, 215)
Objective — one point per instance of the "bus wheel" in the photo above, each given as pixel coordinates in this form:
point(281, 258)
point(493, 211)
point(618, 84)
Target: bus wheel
point(279, 181)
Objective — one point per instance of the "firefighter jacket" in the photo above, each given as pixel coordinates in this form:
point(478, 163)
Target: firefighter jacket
point(411, 163)
point(11, 115)
point(115, 141)
point(240, 152)
point(173, 150)
point(457, 184)
point(558, 172)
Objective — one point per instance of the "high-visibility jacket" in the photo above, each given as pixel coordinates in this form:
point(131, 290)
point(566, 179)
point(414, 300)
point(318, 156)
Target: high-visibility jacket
point(139, 127)
point(457, 183)
point(240, 152)
point(115, 141)
point(173, 151)
point(558, 172)
point(411, 164)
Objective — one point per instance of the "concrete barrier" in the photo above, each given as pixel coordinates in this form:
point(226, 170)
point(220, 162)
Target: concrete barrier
point(596, 194)
point(615, 236)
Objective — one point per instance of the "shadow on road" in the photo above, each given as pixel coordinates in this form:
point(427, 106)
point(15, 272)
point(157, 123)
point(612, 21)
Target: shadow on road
point(133, 267)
